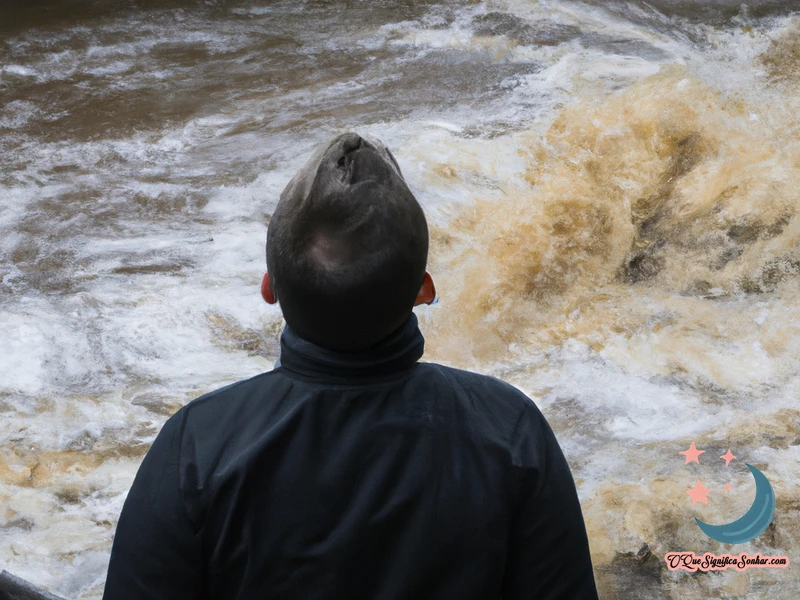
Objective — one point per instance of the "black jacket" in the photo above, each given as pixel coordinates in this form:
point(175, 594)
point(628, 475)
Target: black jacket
point(354, 475)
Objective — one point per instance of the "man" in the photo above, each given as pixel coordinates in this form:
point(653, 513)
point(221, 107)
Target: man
point(352, 470)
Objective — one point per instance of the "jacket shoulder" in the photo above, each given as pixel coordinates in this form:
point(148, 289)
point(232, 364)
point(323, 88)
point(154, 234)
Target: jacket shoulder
point(477, 385)
point(231, 402)
point(233, 391)
point(490, 407)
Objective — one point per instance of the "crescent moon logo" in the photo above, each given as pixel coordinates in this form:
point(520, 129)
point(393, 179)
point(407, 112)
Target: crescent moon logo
point(753, 522)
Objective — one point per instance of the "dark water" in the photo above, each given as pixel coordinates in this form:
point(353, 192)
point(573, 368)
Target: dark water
point(611, 188)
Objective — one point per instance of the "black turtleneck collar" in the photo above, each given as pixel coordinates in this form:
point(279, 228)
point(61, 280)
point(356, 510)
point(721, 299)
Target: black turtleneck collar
point(396, 353)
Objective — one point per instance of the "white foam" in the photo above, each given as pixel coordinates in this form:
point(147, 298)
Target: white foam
point(73, 362)
point(20, 70)
point(25, 348)
point(17, 113)
point(255, 10)
point(113, 68)
point(444, 125)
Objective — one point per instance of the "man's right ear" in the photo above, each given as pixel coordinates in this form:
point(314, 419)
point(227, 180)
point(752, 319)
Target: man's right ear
point(266, 290)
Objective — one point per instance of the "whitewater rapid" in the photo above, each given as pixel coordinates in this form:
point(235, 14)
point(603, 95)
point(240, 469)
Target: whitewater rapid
point(613, 200)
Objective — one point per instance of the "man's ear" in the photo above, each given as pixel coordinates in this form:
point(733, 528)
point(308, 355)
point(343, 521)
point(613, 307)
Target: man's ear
point(266, 290)
point(427, 292)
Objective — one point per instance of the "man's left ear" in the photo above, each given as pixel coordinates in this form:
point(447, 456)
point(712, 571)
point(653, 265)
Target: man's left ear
point(266, 290)
point(427, 291)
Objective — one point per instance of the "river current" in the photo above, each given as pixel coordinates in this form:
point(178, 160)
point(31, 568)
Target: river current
point(613, 190)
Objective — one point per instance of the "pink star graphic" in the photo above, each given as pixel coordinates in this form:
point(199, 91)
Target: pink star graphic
point(698, 493)
point(728, 456)
point(728, 487)
point(692, 454)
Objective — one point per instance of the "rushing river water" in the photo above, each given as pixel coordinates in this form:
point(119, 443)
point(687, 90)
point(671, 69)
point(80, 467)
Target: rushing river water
point(614, 197)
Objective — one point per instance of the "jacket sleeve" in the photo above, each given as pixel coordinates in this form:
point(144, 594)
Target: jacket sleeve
point(156, 553)
point(548, 558)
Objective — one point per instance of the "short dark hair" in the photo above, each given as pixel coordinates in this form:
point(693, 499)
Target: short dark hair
point(347, 246)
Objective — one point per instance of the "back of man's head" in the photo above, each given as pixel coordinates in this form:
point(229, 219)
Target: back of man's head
point(347, 246)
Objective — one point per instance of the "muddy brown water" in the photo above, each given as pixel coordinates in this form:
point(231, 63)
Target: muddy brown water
point(613, 199)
